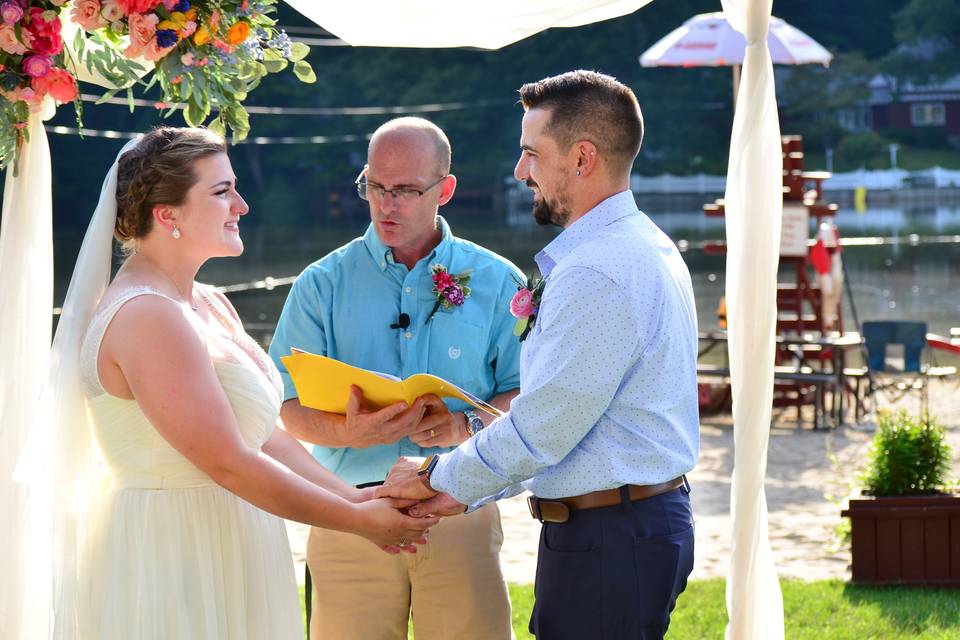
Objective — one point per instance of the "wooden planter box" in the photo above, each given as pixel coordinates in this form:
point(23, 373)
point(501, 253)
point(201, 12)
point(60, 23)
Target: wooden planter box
point(908, 540)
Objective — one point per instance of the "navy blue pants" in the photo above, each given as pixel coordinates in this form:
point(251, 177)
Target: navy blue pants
point(614, 573)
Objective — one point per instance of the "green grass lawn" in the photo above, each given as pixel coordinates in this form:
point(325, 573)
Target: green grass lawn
point(824, 610)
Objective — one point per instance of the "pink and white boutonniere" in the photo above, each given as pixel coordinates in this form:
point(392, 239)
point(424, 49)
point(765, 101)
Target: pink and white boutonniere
point(525, 304)
point(450, 288)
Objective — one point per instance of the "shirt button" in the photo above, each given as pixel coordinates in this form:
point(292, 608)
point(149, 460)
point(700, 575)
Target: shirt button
point(408, 335)
point(383, 265)
point(408, 289)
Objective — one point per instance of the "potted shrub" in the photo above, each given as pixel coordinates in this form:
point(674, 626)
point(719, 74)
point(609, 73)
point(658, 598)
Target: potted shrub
point(905, 528)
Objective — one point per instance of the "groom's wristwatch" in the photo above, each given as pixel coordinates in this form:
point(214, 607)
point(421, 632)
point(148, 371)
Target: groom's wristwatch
point(474, 423)
point(426, 468)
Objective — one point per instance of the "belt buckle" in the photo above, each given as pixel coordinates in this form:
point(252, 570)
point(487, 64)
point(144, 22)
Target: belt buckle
point(533, 504)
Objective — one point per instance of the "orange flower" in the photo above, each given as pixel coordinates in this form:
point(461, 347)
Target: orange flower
point(201, 36)
point(238, 32)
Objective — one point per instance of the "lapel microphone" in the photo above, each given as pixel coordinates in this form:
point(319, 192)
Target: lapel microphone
point(403, 321)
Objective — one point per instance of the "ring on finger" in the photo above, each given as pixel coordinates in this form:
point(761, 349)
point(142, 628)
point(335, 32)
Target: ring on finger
point(433, 433)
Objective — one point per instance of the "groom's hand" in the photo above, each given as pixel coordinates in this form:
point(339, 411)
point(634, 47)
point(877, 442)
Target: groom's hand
point(442, 504)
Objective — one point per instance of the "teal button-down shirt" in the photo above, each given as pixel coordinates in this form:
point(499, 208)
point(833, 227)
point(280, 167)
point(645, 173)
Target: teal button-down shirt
point(342, 306)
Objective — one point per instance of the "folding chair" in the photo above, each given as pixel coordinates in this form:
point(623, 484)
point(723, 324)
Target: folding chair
point(894, 366)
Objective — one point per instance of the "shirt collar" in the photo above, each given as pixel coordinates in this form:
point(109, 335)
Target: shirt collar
point(606, 213)
point(383, 255)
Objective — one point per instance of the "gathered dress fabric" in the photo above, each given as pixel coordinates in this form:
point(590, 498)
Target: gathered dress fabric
point(171, 554)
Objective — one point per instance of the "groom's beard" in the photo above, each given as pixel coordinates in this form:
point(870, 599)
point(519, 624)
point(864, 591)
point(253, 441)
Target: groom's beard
point(550, 212)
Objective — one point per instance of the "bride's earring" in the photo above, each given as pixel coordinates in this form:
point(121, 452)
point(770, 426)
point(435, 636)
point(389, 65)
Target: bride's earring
point(176, 232)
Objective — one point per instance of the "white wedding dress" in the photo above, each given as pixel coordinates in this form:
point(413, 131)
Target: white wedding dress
point(172, 555)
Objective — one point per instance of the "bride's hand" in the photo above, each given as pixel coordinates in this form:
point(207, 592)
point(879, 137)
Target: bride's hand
point(391, 530)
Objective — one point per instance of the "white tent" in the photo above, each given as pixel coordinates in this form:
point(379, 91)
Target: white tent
point(753, 209)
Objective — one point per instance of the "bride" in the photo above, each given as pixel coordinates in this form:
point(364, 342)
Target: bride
point(185, 542)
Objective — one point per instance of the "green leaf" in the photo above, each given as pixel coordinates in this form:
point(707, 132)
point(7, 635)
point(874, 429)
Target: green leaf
point(216, 125)
point(130, 99)
point(275, 66)
point(520, 326)
point(304, 72)
point(106, 96)
point(195, 113)
point(298, 51)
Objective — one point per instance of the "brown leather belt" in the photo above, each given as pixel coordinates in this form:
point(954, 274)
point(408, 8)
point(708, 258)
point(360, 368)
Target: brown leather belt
point(558, 509)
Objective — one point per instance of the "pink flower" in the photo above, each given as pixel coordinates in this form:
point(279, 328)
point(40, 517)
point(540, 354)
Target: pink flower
point(87, 14)
point(522, 304)
point(443, 280)
point(143, 43)
point(11, 13)
point(9, 41)
point(36, 66)
point(137, 6)
point(111, 11)
point(187, 59)
point(46, 33)
point(26, 94)
point(58, 84)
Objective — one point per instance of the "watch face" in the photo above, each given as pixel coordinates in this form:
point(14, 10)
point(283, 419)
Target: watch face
point(425, 465)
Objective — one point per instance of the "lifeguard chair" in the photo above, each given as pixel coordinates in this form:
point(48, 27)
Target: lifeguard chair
point(808, 302)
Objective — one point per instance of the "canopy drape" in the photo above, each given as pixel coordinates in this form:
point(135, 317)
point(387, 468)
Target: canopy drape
point(754, 204)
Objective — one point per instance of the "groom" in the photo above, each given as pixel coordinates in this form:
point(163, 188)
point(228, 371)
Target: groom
point(606, 424)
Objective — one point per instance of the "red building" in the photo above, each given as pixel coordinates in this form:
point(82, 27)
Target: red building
point(926, 109)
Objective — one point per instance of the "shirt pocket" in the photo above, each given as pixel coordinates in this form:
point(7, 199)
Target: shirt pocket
point(458, 352)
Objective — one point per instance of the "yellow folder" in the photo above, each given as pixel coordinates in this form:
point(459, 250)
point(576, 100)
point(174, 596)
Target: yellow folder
point(324, 383)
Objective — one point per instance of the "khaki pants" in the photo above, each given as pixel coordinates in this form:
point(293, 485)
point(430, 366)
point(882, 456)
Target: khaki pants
point(453, 585)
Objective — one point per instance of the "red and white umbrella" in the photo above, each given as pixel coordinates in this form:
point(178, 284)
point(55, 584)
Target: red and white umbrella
point(708, 40)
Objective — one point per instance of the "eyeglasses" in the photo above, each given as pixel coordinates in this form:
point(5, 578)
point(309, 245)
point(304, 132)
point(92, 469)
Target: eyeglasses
point(399, 194)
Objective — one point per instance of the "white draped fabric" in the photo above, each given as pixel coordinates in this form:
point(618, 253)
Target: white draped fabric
point(754, 204)
point(487, 24)
point(26, 268)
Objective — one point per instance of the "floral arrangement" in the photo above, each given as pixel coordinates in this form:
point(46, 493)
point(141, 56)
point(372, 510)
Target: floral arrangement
point(525, 304)
point(31, 66)
point(450, 289)
point(207, 56)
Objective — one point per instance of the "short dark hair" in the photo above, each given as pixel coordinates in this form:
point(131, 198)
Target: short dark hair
point(586, 105)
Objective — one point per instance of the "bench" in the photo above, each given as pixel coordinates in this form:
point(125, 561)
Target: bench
point(822, 383)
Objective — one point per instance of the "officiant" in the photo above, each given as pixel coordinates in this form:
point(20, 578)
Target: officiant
point(407, 297)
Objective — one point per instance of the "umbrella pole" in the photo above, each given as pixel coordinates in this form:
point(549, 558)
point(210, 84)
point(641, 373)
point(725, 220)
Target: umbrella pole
point(736, 84)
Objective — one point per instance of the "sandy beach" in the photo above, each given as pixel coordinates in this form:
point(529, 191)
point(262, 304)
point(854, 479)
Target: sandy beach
point(808, 472)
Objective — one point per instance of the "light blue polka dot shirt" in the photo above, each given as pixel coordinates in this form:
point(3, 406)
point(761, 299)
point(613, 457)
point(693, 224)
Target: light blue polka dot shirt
point(608, 375)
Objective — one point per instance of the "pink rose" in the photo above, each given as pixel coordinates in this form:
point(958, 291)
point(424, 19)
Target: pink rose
point(111, 11)
point(10, 13)
point(58, 84)
point(9, 41)
point(522, 304)
point(86, 13)
point(46, 33)
point(36, 66)
point(142, 32)
point(137, 6)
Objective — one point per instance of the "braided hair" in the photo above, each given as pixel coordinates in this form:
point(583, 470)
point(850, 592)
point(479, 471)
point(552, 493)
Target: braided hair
point(158, 170)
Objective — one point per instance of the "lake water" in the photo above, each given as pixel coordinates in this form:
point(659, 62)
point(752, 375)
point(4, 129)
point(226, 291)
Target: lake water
point(903, 264)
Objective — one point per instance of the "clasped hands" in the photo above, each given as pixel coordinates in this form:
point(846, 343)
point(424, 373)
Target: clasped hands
point(404, 483)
